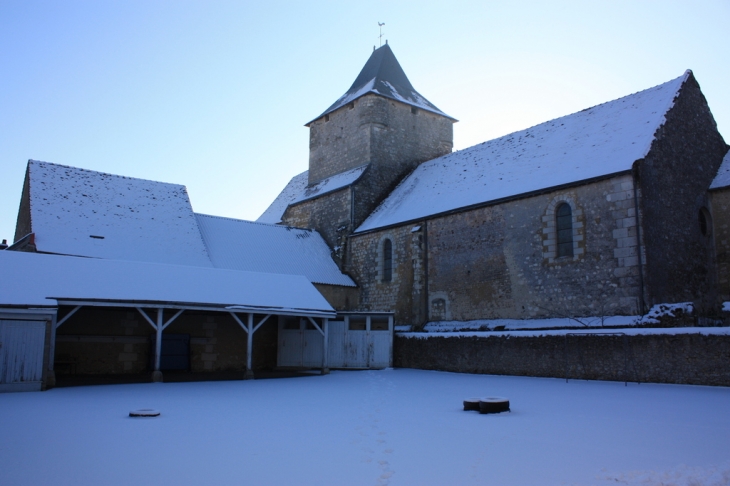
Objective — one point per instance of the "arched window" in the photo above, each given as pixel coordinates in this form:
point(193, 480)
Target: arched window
point(705, 222)
point(564, 228)
point(387, 260)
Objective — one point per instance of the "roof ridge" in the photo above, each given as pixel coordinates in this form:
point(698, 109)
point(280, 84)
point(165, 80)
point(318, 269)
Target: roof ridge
point(271, 225)
point(103, 173)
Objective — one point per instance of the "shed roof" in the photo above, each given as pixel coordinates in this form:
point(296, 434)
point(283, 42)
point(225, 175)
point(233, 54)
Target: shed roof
point(722, 179)
point(383, 75)
point(32, 279)
point(596, 142)
point(83, 212)
point(297, 191)
point(258, 247)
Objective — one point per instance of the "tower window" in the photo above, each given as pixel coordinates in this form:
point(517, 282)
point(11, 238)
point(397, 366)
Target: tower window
point(414, 110)
point(564, 227)
point(326, 118)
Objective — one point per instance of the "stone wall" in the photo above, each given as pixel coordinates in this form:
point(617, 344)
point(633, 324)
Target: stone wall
point(374, 129)
point(674, 179)
point(340, 297)
point(500, 262)
point(660, 358)
point(328, 214)
point(113, 341)
point(720, 228)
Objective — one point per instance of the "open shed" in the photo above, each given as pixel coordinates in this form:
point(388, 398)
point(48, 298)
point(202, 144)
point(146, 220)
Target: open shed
point(62, 287)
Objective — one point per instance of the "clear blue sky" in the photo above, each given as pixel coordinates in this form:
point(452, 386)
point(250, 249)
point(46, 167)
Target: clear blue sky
point(214, 94)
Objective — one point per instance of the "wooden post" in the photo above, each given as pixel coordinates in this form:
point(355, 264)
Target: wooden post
point(249, 348)
point(157, 374)
point(325, 351)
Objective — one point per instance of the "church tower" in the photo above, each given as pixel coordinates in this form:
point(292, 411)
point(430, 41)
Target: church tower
point(363, 145)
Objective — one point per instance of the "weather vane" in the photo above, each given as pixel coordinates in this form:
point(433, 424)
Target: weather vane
point(381, 24)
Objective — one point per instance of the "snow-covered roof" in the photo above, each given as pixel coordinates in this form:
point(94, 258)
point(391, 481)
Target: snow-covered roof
point(32, 279)
point(722, 179)
point(297, 191)
point(383, 75)
point(83, 212)
point(258, 247)
point(595, 142)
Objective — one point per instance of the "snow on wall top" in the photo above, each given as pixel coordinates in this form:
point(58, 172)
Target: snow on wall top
point(722, 179)
point(297, 191)
point(88, 213)
point(34, 279)
point(258, 247)
point(383, 75)
point(597, 141)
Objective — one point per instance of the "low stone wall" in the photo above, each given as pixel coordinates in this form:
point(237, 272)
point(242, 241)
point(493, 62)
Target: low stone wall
point(683, 358)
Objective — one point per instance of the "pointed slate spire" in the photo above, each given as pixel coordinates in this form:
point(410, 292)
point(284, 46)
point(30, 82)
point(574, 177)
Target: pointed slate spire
point(383, 75)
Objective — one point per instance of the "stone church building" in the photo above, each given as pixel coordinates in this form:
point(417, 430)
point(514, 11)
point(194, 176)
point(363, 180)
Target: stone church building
point(599, 213)
point(605, 212)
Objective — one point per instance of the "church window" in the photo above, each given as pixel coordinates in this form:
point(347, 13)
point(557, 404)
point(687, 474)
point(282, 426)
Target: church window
point(387, 260)
point(705, 222)
point(564, 228)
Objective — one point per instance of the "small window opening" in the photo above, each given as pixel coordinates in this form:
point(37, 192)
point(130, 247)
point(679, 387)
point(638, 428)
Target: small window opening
point(387, 260)
point(414, 110)
point(351, 105)
point(378, 323)
point(564, 227)
point(705, 222)
point(326, 118)
point(357, 324)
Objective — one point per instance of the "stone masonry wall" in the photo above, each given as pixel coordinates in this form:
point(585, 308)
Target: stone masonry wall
point(328, 214)
point(674, 179)
point(659, 358)
point(374, 129)
point(720, 228)
point(500, 261)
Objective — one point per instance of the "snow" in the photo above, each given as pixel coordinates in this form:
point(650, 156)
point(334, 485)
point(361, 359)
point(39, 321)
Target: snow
point(517, 324)
point(705, 331)
point(669, 310)
point(390, 427)
point(88, 213)
point(722, 179)
point(297, 191)
point(256, 247)
point(32, 279)
point(596, 142)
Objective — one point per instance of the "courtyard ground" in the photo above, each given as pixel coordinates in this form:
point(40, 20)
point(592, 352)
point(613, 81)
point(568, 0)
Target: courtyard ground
point(390, 427)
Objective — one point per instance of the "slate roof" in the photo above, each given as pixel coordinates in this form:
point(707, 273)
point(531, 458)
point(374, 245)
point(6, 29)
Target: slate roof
point(297, 191)
point(87, 213)
point(722, 179)
point(245, 245)
point(383, 75)
point(43, 280)
point(596, 142)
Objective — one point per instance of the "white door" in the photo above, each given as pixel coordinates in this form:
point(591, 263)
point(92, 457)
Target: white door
point(290, 342)
point(381, 342)
point(21, 354)
point(313, 346)
point(336, 342)
point(356, 343)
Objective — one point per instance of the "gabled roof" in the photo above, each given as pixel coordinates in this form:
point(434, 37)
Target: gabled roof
point(297, 191)
point(596, 142)
point(87, 213)
point(258, 247)
point(383, 75)
point(43, 280)
point(722, 179)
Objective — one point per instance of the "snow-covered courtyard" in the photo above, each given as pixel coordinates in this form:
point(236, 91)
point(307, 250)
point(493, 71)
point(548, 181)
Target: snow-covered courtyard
point(368, 428)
